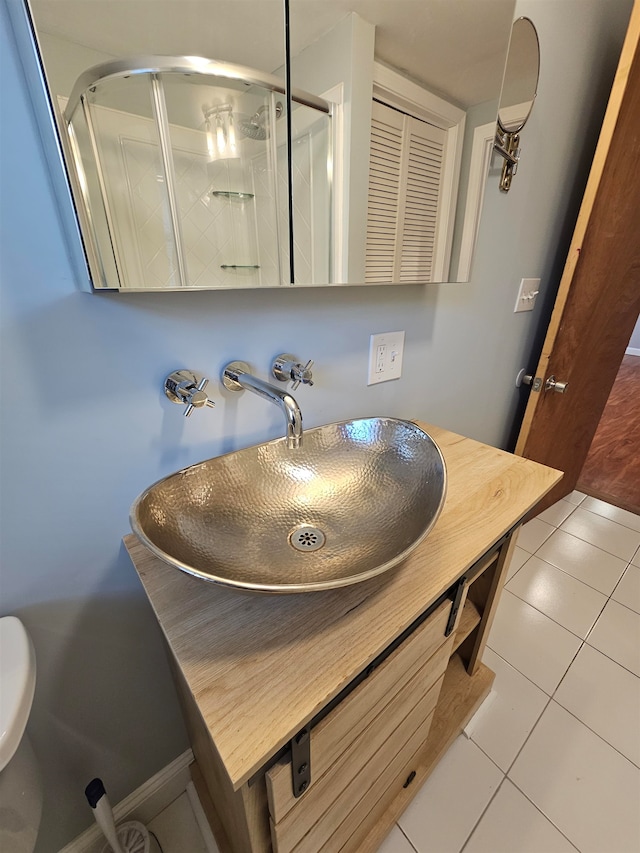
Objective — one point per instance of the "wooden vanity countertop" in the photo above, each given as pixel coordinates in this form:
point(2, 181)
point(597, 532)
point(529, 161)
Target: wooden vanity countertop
point(261, 666)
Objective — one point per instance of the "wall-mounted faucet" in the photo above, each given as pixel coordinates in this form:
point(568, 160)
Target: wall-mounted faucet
point(237, 376)
point(183, 386)
point(287, 368)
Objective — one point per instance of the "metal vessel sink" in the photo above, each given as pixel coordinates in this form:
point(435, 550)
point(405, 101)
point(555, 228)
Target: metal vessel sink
point(354, 500)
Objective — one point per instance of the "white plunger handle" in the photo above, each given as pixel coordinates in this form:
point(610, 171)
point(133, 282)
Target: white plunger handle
point(103, 813)
point(104, 818)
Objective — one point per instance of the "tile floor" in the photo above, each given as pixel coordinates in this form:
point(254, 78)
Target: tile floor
point(551, 762)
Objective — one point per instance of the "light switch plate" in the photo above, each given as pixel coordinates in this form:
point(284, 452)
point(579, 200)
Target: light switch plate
point(529, 290)
point(385, 357)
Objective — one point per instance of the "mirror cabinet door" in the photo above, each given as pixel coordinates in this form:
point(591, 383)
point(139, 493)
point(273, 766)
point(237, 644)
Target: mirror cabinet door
point(414, 88)
point(182, 178)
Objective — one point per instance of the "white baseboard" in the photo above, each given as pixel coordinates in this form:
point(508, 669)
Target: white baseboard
point(143, 804)
point(632, 351)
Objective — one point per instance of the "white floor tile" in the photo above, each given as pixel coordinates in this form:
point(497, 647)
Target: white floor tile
point(532, 643)
point(448, 806)
point(533, 534)
point(395, 842)
point(583, 786)
point(615, 513)
point(563, 598)
point(176, 828)
point(628, 590)
point(575, 497)
point(636, 560)
point(511, 715)
point(557, 513)
point(605, 697)
point(512, 824)
point(584, 561)
point(603, 533)
point(518, 559)
point(617, 635)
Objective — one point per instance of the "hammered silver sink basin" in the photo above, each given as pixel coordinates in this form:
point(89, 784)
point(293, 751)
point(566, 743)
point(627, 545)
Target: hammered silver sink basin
point(354, 500)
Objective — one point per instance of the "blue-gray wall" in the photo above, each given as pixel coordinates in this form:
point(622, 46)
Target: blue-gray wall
point(85, 426)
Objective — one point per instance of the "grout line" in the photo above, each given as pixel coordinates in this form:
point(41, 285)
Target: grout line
point(597, 734)
point(518, 671)
point(515, 573)
point(407, 837)
point(507, 776)
point(484, 811)
point(603, 518)
point(545, 816)
point(566, 672)
point(562, 500)
point(595, 648)
point(608, 518)
point(528, 736)
point(497, 766)
point(589, 632)
point(621, 603)
point(573, 633)
point(608, 594)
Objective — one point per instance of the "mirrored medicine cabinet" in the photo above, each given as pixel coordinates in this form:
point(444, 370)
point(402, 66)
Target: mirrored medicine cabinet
point(191, 166)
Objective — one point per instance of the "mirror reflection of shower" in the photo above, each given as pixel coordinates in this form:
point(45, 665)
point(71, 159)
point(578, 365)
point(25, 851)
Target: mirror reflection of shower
point(181, 164)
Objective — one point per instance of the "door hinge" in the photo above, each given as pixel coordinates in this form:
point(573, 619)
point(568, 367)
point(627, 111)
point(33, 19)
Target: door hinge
point(301, 761)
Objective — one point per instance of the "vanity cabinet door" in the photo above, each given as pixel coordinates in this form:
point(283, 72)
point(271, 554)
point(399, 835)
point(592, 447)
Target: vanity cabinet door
point(360, 750)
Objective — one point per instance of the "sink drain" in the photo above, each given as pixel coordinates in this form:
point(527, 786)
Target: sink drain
point(307, 538)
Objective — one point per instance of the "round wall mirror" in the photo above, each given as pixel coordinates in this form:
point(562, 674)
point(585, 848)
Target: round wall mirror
point(520, 77)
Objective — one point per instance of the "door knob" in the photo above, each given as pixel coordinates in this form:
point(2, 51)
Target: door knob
point(552, 384)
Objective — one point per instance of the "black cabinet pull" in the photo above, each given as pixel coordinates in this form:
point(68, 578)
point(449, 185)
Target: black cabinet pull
point(410, 779)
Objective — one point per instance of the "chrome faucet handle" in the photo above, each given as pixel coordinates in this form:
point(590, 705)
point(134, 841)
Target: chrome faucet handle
point(286, 368)
point(183, 387)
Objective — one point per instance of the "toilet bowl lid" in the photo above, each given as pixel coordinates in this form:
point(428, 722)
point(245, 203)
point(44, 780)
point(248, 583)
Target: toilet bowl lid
point(18, 678)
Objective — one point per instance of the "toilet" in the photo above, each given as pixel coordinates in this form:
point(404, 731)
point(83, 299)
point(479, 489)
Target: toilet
point(20, 785)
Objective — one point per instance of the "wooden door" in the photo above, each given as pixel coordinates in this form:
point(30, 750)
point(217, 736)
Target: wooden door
point(599, 295)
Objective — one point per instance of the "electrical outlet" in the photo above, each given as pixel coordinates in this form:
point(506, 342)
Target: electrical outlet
point(529, 289)
point(385, 357)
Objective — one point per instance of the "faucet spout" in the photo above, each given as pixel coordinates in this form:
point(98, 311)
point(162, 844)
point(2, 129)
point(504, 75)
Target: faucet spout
point(236, 377)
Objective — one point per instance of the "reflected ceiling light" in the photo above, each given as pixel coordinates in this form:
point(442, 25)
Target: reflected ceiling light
point(221, 133)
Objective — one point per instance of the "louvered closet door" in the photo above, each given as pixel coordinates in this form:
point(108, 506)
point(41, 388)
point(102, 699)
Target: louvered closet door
point(405, 175)
point(424, 161)
point(383, 207)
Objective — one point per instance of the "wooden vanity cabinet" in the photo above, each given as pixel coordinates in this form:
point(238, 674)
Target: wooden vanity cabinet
point(376, 745)
point(363, 688)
